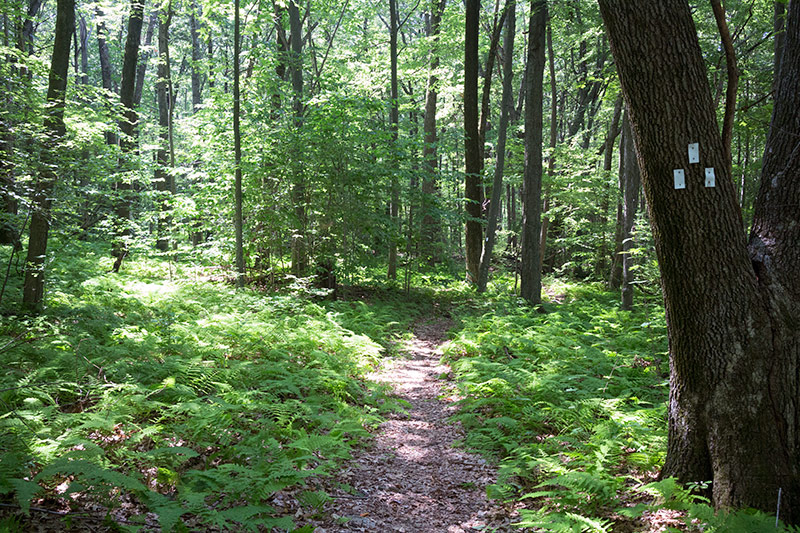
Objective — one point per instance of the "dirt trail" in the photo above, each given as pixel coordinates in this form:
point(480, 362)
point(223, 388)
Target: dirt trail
point(411, 479)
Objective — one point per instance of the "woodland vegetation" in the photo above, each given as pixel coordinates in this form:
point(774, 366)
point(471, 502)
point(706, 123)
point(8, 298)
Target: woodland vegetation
point(218, 216)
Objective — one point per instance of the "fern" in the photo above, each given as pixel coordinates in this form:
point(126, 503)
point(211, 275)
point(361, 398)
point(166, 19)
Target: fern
point(563, 522)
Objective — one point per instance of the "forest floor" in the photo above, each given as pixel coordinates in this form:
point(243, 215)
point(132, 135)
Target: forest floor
point(414, 477)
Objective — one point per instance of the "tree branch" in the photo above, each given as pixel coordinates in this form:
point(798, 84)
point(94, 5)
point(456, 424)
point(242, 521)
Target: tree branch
point(733, 81)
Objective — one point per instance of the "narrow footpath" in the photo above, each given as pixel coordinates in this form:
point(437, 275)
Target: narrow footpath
point(411, 478)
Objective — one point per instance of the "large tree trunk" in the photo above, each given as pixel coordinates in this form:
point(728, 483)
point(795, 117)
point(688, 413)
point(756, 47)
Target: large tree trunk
point(531, 273)
point(473, 237)
point(506, 106)
point(630, 203)
point(33, 288)
point(430, 226)
point(162, 175)
point(731, 314)
point(128, 127)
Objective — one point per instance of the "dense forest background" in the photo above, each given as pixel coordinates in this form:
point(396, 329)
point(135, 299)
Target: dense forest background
point(360, 164)
point(326, 164)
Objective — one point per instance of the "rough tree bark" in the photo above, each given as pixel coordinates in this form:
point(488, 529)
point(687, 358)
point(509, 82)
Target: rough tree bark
point(531, 272)
point(507, 102)
point(473, 237)
point(33, 288)
point(731, 309)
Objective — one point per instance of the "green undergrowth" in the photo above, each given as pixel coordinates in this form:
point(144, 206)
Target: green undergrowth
point(184, 398)
point(570, 400)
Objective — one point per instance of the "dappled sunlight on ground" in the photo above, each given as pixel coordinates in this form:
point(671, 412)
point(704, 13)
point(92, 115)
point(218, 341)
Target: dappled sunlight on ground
point(412, 478)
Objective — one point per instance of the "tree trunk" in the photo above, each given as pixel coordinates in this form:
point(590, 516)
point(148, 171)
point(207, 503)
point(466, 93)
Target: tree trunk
point(630, 203)
point(128, 126)
point(394, 119)
point(506, 106)
point(33, 288)
point(84, 50)
point(615, 276)
point(431, 230)
point(102, 49)
point(511, 216)
point(731, 313)
point(608, 158)
point(238, 217)
point(778, 23)
point(531, 274)
point(162, 175)
point(141, 67)
point(299, 253)
point(733, 81)
point(197, 53)
point(486, 93)
point(551, 158)
point(26, 43)
point(9, 232)
point(473, 238)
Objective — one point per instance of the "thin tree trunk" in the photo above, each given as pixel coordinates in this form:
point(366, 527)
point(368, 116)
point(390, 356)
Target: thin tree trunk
point(128, 126)
point(394, 119)
point(33, 288)
point(84, 45)
point(431, 229)
point(472, 153)
point(238, 220)
point(608, 157)
point(102, 49)
point(162, 174)
point(506, 108)
point(733, 81)
point(531, 274)
point(615, 276)
point(551, 158)
point(778, 23)
point(494, 43)
point(197, 94)
point(630, 204)
point(299, 253)
point(144, 59)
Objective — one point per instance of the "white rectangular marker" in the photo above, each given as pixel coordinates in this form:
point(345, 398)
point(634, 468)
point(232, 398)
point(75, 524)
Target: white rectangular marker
point(694, 153)
point(710, 178)
point(680, 178)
